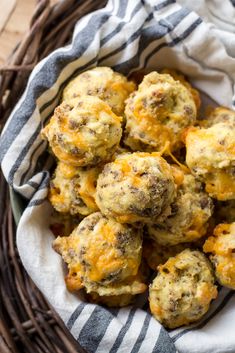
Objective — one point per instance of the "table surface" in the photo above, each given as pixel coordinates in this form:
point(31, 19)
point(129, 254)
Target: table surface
point(14, 21)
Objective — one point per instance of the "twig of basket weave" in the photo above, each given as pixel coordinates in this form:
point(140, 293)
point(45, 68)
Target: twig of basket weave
point(27, 322)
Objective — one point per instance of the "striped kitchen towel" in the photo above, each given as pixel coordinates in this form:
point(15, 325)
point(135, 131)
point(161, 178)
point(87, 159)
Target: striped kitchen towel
point(127, 36)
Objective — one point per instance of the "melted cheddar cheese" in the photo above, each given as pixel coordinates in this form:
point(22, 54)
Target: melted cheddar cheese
point(73, 189)
point(221, 246)
point(101, 255)
point(211, 156)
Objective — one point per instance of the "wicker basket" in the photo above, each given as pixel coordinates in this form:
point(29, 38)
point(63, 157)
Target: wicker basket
point(27, 322)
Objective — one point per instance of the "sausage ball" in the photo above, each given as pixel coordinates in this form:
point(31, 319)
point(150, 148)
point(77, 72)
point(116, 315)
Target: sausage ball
point(157, 113)
point(111, 87)
point(182, 290)
point(178, 76)
point(72, 189)
point(103, 256)
point(135, 187)
point(221, 246)
point(83, 132)
point(210, 154)
point(188, 220)
point(219, 115)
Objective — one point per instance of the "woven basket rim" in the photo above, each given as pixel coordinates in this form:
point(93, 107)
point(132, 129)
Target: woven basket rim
point(28, 323)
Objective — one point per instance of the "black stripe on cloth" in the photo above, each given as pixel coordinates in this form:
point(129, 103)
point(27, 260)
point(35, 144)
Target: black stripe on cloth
point(203, 323)
point(164, 343)
point(174, 19)
point(123, 331)
point(175, 41)
point(33, 184)
point(163, 4)
point(22, 179)
point(149, 35)
point(130, 40)
point(232, 2)
point(51, 70)
point(122, 8)
point(43, 186)
point(36, 202)
point(94, 329)
point(142, 334)
point(71, 321)
point(36, 185)
point(22, 154)
point(120, 25)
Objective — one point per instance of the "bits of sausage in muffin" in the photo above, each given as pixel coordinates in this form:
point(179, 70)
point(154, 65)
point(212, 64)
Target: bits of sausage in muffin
point(157, 113)
point(83, 132)
point(183, 289)
point(111, 87)
point(135, 187)
point(189, 216)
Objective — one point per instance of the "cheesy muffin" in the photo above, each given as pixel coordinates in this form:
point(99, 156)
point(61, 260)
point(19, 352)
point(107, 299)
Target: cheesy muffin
point(182, 290)
point(219, 115)
point(83, 132)
point(110, 86)
point(178, 76)
point(135, 187)
point(210, 154)
point(221, 246)
point(188, 220)
point(72, 189)
point(157, 113)
point(103, 256)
